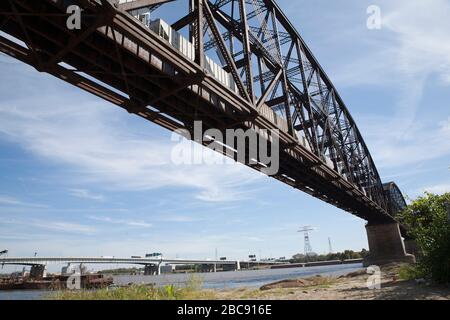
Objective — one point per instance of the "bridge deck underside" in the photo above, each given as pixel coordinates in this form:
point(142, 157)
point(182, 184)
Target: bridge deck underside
point(114, 50)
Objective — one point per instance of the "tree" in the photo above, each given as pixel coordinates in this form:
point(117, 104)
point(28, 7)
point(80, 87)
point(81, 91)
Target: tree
point(313, 257)
point(364, 253)
point(299, 257)
point(427, 223)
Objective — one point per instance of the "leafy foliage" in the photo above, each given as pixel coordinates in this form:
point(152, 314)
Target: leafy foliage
point(427, 222)
point(409, 272)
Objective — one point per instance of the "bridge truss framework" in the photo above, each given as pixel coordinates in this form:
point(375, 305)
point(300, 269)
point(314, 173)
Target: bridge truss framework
point(279, 83)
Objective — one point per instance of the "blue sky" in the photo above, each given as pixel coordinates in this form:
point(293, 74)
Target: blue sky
point(82, 177)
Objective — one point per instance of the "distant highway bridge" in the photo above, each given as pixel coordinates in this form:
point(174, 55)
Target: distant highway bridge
point(263, 77)
point(151, 265)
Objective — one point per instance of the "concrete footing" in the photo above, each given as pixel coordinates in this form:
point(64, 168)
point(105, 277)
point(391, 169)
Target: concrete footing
point(411, 247)
point(386, 245)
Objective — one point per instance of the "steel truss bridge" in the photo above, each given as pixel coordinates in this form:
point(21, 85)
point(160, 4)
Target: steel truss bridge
point(273, 82)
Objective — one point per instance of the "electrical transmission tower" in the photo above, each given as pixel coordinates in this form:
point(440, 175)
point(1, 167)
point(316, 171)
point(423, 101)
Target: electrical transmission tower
point(305, 230)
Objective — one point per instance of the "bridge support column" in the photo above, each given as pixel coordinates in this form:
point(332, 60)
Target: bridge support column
point(158, 270)
point(386, 245)
point(37, 271)
point(151, 270)
point(411, 247)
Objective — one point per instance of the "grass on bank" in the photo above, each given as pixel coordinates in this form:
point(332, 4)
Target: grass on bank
point(191, 291)
point(410, 272)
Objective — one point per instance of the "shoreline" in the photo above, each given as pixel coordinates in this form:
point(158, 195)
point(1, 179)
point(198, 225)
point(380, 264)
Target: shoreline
point(351, 286)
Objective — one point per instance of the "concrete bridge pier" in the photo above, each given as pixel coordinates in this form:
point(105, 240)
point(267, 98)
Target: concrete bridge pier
point(38, 271)
point(411, 247)
point(208, 268)
point(152, 269)
point(386, 245)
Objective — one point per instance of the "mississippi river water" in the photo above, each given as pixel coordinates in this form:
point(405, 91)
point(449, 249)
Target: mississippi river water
point(219, 280)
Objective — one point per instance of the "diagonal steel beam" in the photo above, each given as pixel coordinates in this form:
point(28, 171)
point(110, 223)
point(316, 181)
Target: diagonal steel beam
point(195, 79)
point(199, 43)
point(25, 32)
point(186, 20)
point(247, 52)
point(223, 49)
point(269, 89)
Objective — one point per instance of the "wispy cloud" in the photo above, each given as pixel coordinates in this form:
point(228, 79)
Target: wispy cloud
point(394, 149)
point(409, 53)
point(131, 223)
point(65, 226)
point(179, 218)
point(9, 200)
point(12, 201)
point(105, 149)
point(61, 226)
point(86, 194)
point(437, 189)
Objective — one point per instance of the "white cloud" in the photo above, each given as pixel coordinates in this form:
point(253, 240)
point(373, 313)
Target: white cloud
point(412, 44)
point(131, 223)
point(422, 31)
point(97, 141)
point(63, 226)
point(86, 194)
point(437, 189)
point(12, 201)
point(424, 143)
point(179, 218)
point(9, 200)
point(408, 54)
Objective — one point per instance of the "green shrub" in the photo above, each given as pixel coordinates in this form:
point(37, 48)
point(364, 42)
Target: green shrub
point(427, 222)
point(409, 272)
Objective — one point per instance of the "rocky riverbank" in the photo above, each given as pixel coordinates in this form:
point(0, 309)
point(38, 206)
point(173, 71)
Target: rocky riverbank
point(353, 286)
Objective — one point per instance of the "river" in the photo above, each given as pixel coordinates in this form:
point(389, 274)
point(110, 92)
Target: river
point(219, 280)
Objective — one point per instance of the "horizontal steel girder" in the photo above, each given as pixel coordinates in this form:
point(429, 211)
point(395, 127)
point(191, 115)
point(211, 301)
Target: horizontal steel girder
point(157, 82)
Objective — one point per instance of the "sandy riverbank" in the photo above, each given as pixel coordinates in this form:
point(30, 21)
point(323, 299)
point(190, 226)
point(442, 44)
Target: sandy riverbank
point(349, 287)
